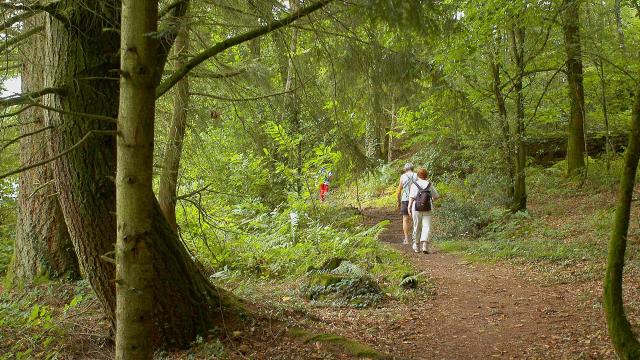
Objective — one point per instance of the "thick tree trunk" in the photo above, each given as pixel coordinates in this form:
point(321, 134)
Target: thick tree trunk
point(622, 337)
point(520, 186)
point(83, 57)
point(134, 180)
point(576, 141)
point(504, 127)
point(171, 163)
point(42, 246)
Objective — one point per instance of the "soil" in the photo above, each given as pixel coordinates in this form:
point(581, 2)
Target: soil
point(479, 311)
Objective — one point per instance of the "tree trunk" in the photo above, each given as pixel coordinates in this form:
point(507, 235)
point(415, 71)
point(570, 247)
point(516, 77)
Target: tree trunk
point(292, 105)
point(83, 57)
point(576, 141)
point(622, 337)
point(134, 180)
point(617, 9)
point(504, 127)
point(520, 187)
point(605, 113)
point(167, 193)
point(42, 246)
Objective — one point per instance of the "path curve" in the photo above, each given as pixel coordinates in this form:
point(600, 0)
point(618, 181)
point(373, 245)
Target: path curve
point(483, 311)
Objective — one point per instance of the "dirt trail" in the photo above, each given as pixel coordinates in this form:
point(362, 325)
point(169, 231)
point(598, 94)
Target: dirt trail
point(482, 311)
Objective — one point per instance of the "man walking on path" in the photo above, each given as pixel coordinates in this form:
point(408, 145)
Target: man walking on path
point(421, 196)
point(406, 179)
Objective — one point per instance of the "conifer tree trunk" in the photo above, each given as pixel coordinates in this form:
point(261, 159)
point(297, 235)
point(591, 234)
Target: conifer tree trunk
point(520, 188)
point(171, 163)
point(576, 141)
point(134, 176)
point(42, 246)
point(624, 341)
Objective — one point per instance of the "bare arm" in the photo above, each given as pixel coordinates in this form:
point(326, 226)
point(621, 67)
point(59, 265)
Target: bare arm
point(399, 192)
point(411, 201)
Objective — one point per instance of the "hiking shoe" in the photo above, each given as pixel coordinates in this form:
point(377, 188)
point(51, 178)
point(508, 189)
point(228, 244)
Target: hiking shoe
point(425, 247)
point(415, 247)
point(405, 242)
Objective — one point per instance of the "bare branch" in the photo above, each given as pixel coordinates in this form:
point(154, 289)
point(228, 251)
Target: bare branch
point(17, 18)
point(18, 99)
point(16, 39)
point(50, 8)
point(222, 98)
point(16, 139)
point(80, 114)
point(65, 152)
point(236, 40)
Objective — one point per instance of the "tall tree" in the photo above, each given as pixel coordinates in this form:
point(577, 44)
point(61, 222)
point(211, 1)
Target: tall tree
point(517, 35)
point(576, 142)
point(42, 245)
point(135, 272)
point(504, 126)
point(624, 341)
point(167, 192)
point(82, 58)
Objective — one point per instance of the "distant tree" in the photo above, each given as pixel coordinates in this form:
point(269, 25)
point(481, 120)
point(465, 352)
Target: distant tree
point(576, 142)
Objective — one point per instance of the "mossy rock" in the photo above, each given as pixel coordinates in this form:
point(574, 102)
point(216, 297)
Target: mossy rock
point(409, 281)
point(348, 268)
point(340, 343)
point(329, 264)
point(340, 290)
point(325, 279)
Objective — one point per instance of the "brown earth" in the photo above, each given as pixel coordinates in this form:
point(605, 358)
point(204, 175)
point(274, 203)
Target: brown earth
point(479, 311)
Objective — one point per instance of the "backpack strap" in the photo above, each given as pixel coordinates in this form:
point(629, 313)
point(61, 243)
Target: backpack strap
point(416, 184)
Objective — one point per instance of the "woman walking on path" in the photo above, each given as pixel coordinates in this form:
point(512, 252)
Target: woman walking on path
point(421, 196)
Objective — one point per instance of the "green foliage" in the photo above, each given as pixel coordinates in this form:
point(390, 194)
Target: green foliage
point(34, 325)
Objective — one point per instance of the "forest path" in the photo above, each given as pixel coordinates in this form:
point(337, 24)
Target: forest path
point(482, 311)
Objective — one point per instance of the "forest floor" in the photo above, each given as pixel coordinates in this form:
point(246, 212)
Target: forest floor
point(481, 311)
point(542, 301)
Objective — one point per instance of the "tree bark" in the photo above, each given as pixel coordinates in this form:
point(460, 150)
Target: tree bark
point(134, 178)
point(168, 193)
point(507, 143)
point(84, 59)
point(576, 140)
point(622, 337)
point(617, 9)
point(292, 105)
point(520, 186)
point(42, 246)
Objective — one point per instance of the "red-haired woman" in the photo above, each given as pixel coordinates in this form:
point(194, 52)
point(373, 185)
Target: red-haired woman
point(421, 196)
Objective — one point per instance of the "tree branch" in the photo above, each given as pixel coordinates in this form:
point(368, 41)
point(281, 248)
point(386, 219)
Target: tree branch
point(65, 152)
point(16, 139)
point(241, 99)
point(233, 41)
point(50, 8)
point(16, 39)
point(29, 97)
point(74, 113)
point(17, 18)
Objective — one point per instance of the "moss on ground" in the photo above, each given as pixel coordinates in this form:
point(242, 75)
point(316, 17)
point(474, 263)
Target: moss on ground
point(340, 343)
